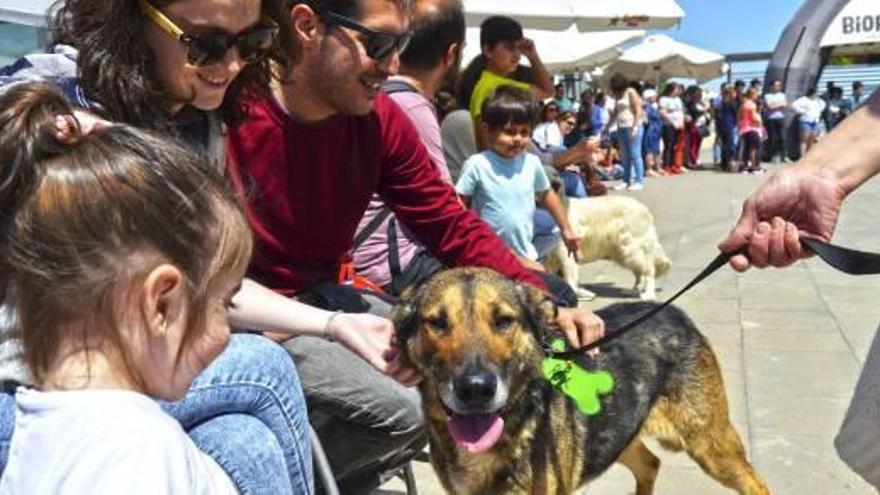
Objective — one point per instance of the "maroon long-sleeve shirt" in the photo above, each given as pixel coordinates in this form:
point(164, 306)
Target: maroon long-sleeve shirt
point(307, 186)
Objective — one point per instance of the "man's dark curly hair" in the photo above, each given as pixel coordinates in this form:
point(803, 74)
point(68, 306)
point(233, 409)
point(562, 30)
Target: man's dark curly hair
point(288, 53)
point(115, 66)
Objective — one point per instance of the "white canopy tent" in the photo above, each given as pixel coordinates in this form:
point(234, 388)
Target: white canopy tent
point(27, 12)
point(587, 15)
point(659, 56)
point(565, 51)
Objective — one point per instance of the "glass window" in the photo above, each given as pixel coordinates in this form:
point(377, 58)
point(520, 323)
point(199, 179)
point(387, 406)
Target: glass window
point(17, 40)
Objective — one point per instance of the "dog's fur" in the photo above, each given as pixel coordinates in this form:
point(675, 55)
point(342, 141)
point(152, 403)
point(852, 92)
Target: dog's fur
point(616, 228)
point(468, 323)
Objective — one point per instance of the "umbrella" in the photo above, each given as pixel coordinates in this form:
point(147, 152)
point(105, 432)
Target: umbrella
point(565, 51)
point(587, 15)
point(659, 56)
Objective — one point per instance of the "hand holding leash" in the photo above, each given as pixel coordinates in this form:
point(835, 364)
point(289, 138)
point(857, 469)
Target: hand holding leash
point(580, 326)
point(794, 204)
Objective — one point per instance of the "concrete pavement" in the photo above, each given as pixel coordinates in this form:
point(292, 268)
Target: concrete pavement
point(790, 342)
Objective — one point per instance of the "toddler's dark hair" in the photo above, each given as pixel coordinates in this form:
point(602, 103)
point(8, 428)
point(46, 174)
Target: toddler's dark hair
point(508, 105)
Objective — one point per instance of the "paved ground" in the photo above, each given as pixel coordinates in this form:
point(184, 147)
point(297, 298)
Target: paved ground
point(790, 342)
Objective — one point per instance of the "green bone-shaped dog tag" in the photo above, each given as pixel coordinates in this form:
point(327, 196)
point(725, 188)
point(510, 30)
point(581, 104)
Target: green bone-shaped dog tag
point(583, 386)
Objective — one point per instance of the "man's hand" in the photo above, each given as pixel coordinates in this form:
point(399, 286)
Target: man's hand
point(580, 326)
point(794, 202)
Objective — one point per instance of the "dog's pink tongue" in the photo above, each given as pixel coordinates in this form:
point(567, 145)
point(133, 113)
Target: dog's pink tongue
point(476, 432)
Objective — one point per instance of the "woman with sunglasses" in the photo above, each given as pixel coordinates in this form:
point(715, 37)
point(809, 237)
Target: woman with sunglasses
point(170, 66)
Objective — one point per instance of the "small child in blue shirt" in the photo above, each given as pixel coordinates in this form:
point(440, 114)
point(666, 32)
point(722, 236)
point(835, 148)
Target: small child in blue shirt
point(502, 182)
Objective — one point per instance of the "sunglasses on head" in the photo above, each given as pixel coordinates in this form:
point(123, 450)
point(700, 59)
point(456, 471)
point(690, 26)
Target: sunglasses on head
point(210, 47)
point(377, 44)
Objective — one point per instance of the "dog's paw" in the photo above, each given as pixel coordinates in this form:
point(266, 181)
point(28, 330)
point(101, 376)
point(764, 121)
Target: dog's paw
point(645, 296)
point(585, 295)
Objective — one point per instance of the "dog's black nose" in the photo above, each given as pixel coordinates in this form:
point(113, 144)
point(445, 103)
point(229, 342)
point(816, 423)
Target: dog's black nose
point(476, 387)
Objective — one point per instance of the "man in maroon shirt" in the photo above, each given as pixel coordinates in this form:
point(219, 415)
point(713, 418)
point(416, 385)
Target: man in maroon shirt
point(308, 158)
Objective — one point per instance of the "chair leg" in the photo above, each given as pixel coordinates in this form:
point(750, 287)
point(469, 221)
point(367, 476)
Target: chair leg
point(322, 466)
point(410, 479)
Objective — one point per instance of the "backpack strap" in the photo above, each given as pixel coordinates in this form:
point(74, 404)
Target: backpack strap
point(392, 86)
point(371, 227)
point(393, 253)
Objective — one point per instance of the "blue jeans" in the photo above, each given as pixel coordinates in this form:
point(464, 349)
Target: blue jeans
point(573, 184)
point(246, 410)
point(631, 155)
point(545, 234)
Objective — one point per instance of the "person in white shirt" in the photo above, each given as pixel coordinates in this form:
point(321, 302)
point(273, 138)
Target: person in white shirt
point(809, 109)
point(547, 134)
point(672, 114)
point(120, 254)
point(775, 103)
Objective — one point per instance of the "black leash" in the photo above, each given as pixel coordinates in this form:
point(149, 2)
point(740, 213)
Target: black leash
point(844, 259)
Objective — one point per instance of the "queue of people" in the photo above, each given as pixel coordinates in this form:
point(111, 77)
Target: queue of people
point(284, 99)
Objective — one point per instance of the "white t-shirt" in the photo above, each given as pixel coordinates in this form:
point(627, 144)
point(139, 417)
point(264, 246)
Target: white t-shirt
point(104, 442)
point(503, 194)
point(775, 99)
point(547, 135)
point(674, 110)
point(809, 109)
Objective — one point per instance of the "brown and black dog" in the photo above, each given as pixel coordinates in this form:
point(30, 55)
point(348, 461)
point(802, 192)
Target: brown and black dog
point(496, 426)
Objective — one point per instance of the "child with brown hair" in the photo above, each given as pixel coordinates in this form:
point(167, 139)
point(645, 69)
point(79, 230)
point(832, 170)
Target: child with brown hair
point(120, 253)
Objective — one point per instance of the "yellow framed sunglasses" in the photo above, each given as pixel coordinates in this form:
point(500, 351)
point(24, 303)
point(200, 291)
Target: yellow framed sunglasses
point(210, 47)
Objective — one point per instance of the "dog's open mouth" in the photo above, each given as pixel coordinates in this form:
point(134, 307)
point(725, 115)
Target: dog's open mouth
point(476, 432)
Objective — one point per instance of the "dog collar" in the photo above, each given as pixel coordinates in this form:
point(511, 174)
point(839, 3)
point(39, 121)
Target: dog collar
point(582, 386)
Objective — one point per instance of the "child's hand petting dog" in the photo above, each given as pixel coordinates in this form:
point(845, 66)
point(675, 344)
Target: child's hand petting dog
point(572, 243)
point(580, 326)
point(371, 337)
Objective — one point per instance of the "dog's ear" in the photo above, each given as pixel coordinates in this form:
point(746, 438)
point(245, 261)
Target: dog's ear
point(404, 314)
point(538, 307)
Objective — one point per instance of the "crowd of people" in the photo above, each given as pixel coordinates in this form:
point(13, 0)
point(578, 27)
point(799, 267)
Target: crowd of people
point(207, 208)
point(666, 130)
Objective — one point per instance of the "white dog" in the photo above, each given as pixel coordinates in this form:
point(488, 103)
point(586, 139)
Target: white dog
point(616, 228)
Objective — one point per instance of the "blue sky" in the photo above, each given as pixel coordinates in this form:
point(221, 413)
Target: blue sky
point(734, 26)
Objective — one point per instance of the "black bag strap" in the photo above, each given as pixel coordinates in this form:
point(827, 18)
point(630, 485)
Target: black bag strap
point(371, 227)
point(393, 253)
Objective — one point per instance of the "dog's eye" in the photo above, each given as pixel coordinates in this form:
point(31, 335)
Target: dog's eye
point(437, 324)
point(503, 322)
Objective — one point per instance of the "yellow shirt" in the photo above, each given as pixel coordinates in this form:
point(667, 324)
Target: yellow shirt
point(488, 83)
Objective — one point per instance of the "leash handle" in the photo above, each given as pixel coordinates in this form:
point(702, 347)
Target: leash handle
point(844, 259)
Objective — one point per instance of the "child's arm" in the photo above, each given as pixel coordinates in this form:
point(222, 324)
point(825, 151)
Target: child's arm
point(256, 307)
point(529, 263)
point(550, 200)
point(543, 83)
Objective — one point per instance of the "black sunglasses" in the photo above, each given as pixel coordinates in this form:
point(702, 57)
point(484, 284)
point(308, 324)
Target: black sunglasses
point(377, 44)
point(210, 48)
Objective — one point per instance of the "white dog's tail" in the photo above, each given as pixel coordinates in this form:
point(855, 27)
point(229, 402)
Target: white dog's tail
point(662, 263)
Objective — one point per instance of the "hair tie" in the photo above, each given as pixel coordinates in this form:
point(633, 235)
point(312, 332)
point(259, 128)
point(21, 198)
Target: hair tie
point(67, 129)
